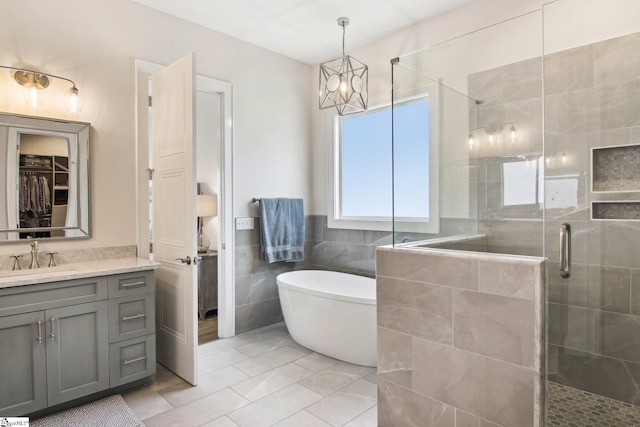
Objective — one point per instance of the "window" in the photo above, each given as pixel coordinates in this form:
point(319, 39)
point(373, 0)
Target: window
point(362, 168)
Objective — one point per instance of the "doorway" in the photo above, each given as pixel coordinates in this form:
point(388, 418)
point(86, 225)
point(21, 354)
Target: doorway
point(208, 139)
point(214, 175)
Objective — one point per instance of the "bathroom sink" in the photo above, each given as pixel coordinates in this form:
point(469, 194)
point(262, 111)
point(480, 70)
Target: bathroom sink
point(38, 272)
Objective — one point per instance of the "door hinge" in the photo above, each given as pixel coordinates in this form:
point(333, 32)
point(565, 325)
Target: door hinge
point(150, 247)
point(150, 101)
point(224, 246)
point(150, 173)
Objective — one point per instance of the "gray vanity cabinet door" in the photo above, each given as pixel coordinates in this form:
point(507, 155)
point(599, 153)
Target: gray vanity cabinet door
point(23, 387)
point(77, 351)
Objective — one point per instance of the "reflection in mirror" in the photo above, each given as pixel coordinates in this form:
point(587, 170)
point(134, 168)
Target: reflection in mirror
point(46, 185)
point(509, 187)
point(521, 182)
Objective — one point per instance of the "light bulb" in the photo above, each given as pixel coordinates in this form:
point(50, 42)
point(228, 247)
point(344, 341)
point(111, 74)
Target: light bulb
point(564, 159)
point(470, 140)
point(74, 101)
point(512, 134)
point(343, 85)
point(32, 83)
point(32, 96)
point(492, 139)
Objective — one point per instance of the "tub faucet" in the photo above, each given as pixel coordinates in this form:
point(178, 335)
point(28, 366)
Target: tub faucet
point(34, 255)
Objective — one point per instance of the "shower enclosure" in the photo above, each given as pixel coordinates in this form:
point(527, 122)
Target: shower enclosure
point(533, 160)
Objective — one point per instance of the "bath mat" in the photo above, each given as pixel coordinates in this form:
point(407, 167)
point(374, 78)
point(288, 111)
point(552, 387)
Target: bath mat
point(111, 411)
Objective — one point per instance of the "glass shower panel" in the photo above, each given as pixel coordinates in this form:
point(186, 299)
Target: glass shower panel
point(433, 195)
point(485, 141)
point(592, 190)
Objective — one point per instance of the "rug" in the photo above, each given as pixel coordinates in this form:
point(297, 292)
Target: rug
point(111, 411)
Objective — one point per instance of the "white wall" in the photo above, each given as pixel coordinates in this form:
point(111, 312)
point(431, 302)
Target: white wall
point(95, 44)
point(208, 133)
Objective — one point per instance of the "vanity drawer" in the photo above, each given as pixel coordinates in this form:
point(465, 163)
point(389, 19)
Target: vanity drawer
point(135, 283)
point(131, 317)
point(132, 360)
point(23, 299)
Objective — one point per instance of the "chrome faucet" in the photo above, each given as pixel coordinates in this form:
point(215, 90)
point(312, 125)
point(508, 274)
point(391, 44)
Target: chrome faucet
point(34, 255)
point(16, 262)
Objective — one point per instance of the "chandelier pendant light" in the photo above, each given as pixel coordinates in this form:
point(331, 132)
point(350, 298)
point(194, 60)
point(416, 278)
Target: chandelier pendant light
point(344, 82)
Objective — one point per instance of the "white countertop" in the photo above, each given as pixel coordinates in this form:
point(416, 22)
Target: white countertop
point(78, 270)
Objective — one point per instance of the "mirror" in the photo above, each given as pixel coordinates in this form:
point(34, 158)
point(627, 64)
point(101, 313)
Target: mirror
point(46, 184)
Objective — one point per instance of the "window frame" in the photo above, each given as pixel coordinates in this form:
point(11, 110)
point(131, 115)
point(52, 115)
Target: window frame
point(334, 197)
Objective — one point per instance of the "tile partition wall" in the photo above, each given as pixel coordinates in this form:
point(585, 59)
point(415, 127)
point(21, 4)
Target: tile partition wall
point(591, 100)
point(459, 338)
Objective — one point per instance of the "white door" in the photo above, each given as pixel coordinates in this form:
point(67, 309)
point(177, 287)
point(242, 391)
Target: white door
point(174, 216)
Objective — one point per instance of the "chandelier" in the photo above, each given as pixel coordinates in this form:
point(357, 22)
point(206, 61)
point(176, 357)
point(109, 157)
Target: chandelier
point(344, 82)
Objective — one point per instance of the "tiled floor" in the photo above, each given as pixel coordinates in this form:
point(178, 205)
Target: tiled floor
point(570, 407)
point(261, 378)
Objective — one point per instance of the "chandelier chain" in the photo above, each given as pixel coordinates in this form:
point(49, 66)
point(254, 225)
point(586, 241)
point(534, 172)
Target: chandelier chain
point(343, 32)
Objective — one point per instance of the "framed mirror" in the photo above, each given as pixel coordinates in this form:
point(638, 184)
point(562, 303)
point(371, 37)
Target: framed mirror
point(45, 186)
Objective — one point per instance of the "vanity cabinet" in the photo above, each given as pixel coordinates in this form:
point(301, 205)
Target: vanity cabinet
point(23, 368)
point(77, 356)
point(132, 340)
point(64, 340)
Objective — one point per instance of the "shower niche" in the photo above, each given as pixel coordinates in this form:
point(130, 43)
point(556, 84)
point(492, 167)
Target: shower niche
point(616, 170)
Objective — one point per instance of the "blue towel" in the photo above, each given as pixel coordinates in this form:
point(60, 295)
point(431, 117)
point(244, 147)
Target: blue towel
point(282, 230)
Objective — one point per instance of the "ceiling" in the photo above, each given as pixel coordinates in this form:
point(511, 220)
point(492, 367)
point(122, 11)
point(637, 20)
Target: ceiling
point(306, 30)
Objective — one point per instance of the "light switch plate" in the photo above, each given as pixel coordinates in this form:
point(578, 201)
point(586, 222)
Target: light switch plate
point(244, 223)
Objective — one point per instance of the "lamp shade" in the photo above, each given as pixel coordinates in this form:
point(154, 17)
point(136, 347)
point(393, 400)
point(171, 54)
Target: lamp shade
point(206, 205)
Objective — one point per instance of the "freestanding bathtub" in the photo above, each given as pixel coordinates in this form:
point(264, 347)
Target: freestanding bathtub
point(331, 313)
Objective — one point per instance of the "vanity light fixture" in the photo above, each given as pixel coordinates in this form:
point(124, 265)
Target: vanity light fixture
point(34, 81)
point(492, 131)
point(344, 82)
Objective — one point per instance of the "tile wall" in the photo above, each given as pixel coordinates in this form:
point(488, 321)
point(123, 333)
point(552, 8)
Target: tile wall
point(257, 302)
point(348, 251)
point(459, 338)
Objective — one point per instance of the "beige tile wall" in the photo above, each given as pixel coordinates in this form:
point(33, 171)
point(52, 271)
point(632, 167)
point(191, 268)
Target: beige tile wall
point(459, 338)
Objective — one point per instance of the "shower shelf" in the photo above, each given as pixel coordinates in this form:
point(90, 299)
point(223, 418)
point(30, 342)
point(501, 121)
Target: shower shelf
point(623, 210)
point(615, 169)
